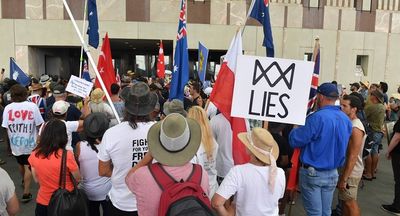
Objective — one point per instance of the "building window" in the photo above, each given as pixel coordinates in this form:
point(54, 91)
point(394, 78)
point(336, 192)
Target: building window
point(312, 3)
point(138, 10)
point(362, 64)
point(13, 9)
point(198, 11)
point(363, 5)
point(308, 56)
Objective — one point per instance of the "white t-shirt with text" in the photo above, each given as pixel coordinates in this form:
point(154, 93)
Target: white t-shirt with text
point(125, 147)
point(249, 184)
point(21, 119)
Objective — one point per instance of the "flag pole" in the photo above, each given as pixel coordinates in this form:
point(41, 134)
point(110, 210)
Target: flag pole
point(83, 30)
point(248, 14)
point(91, 61)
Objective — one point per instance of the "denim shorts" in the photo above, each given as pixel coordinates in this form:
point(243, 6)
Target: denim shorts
point(377, 138)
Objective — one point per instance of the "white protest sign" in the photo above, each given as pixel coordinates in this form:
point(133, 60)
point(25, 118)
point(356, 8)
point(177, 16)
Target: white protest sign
point(79, 86)
point(272, 89)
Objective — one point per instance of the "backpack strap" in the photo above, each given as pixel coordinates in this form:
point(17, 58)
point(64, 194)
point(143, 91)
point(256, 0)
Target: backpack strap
point(161, 176)
point(196, 174)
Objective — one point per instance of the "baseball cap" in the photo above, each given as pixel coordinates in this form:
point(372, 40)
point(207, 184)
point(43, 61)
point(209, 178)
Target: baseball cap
point(60, 107)
point(58, 90)
point(328, 90)
point(357, 85)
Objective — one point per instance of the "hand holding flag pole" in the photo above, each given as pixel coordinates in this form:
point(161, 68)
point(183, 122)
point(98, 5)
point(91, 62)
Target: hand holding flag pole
point(91, 61)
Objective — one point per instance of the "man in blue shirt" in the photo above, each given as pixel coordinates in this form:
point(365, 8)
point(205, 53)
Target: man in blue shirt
point(323, 143)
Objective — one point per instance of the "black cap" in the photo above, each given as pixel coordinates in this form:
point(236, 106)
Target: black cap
point(357, 85)
point(58, 89)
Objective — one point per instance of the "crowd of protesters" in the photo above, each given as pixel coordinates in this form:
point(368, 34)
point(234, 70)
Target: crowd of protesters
point(125, 168)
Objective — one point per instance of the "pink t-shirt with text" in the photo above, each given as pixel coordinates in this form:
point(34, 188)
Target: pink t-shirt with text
point(147, 191)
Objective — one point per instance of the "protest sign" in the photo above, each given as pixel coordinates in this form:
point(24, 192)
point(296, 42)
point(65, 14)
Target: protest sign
point(79, 86)
point(271, 89)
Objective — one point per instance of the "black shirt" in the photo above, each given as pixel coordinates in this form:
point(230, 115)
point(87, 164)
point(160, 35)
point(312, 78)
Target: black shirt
point(396, 129)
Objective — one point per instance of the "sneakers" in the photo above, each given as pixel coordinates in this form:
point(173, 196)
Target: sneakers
point(390, 209)
point(26, 198)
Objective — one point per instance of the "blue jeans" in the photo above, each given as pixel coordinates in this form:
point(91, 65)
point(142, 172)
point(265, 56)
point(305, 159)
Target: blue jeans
point(317, 189)
point(377, 138)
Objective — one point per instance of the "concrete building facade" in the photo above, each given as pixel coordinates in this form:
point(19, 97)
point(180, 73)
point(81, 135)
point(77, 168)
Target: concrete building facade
point(351, 32)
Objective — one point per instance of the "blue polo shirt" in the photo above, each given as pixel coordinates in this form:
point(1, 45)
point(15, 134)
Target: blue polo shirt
point(323, 139)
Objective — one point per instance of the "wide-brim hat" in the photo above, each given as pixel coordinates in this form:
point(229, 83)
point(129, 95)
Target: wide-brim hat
point(175, 140)
point(35, 87)
point(97, 95)
point(378, 94)
point(138, 99)
point(95, 125)
point(262, 139)
point(174, 106)
point(365, 83)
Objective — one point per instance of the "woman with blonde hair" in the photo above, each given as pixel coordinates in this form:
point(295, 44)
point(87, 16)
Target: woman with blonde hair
point(207, 153)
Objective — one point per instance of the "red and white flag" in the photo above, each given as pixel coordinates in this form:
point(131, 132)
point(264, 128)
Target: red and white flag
point(160, 62)
point(222, 95)
point(105, 66)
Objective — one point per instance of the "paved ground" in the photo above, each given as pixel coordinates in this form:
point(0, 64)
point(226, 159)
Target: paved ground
point(370, 197)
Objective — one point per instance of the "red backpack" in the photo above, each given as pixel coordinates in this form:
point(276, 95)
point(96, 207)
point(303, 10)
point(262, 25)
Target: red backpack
point(183, 197)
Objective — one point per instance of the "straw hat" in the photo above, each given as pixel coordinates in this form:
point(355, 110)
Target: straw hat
point(260, 139)
point(379, 95)
point(365, 83)
point(97, 95)
point(175, 140)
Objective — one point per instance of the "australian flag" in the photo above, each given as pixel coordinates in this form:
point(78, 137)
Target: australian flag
point(93, 28)
point(180, 74)
point(17, 74)
point(85, 72)
point(260, 12)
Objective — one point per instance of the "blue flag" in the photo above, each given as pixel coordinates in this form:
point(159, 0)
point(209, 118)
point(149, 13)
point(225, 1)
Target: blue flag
point(260, 12)
point(93, 28)
point(17, 74)
point(180, 74)
point(203, 55)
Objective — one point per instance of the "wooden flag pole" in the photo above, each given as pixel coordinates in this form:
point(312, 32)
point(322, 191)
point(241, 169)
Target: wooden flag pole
point(91, 61)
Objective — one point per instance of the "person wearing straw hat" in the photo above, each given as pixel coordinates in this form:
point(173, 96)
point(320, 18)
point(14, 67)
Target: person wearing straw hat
point(375, 113)
point(97, 104)
point(173, 142)
point(256, 186)
point(124, 145)
point(323, 143)
point(364, 89)
point(36, 98)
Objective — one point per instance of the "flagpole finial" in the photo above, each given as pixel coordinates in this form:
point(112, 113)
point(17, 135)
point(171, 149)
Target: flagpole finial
point(317, 38)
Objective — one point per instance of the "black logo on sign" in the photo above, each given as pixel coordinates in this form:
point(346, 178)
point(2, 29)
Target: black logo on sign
point(264, 73)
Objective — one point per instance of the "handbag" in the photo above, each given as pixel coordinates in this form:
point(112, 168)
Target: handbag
point(64, 202)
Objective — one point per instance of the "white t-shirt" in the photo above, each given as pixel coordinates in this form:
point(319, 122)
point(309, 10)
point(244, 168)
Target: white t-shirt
point(21, 120)
point(125, 147)
point(209, 165)
point(359, 166)
point(223, 135)
point(72, 126)
point(95, 186)
point(249, 184)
